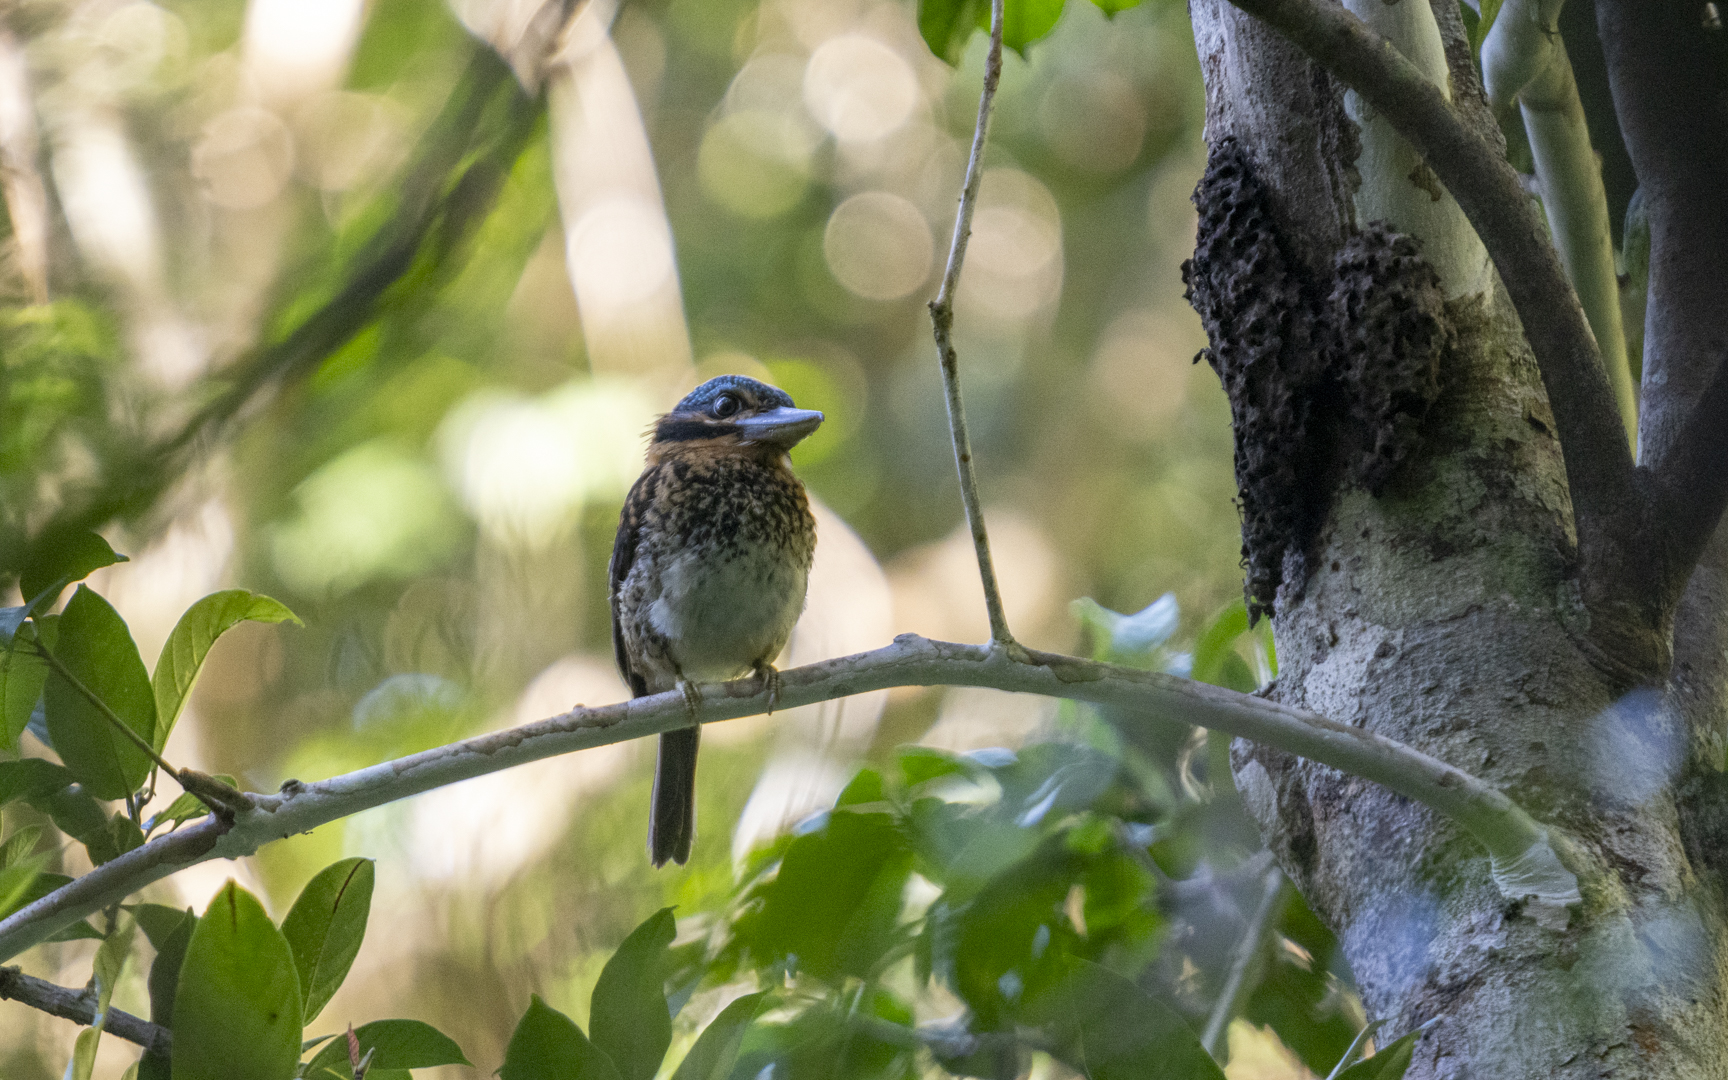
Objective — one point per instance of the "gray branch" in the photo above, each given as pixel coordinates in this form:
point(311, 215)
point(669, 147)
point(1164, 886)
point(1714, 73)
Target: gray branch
point(1524, 859)
point(79, 1007)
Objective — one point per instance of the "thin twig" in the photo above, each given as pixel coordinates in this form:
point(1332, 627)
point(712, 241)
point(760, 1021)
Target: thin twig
point(942, 320)
point(1513, 839)
point(79, 1006)
point(1249, 951)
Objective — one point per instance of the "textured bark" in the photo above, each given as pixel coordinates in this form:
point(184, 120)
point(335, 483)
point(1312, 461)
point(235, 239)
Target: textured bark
point(1444, 610)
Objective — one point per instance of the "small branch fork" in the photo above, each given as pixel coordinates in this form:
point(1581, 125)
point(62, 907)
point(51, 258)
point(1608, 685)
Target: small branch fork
point(1516, 843)
point(1640, 529)
point(79, 1007)
point(942, 320)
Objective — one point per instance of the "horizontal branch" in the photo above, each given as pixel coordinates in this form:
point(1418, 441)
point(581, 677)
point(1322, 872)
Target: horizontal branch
point(1522, 854)
point(1599, 466)
point(79, 1007)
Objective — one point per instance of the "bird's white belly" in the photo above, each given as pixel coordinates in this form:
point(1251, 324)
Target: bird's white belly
point(721, 616)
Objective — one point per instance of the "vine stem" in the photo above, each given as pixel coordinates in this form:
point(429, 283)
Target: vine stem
point(942, 322)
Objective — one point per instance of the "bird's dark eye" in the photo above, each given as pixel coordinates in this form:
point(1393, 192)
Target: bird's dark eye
point(725, 405)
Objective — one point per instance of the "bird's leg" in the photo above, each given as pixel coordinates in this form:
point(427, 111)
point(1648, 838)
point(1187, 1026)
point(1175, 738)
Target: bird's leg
point(769, 676)
point(692, 700)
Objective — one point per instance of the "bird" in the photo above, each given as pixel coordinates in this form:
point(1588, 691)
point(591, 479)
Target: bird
point(709, 568)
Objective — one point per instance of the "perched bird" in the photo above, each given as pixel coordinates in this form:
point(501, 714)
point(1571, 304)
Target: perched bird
point(709, 568)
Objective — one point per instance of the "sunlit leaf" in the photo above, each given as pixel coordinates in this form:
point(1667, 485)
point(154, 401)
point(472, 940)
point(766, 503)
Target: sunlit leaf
point(1484, 23)
point(548, 1044)
point(1112, 8)
point(15, 882)
point(189, 644)
point(237, 1006)
point(170, 931)
point(627, 1018)
point(98, 651)
point(1023, 21)
point(395, 1044)
point(325, 926)
point(717, 1047)
point(19, 844)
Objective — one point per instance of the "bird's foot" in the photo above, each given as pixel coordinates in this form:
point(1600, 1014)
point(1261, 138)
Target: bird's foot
point(769, 676)
point(692, 700)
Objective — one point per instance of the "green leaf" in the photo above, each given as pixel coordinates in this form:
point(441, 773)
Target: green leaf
point(22, 675)
point(110, 962)
point(1389, 1063)
point(56, 562)
point(19, 845)
point(1103, 1023)
point(836, 902)
point(717, 1047)
point(97, 649)
point(1484, 23)
point(547, 1045)
point(947, 25)
point(190, 643)
point(1216, 644)
point(170, 931)
point(31, 779)
point(15, 882)
point(82, 818)
point(627, 1015)
point(1112, 8)
point(1023, 22)
point(325, 926)
point(237, 1005)
point(395, 1044)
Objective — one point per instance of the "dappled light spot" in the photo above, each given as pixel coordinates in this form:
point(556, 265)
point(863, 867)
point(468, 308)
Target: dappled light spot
point(1093, 121)
point(878, 246)
point(1014, 264)
point(244, 158)
point(859, 88)
point(620, 252)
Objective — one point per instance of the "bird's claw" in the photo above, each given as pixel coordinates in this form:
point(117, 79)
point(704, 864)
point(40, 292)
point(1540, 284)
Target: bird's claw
point(769, 676)
point(692, 700)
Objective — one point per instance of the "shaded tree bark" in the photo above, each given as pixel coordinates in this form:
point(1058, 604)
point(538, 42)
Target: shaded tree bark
point(1444, 602)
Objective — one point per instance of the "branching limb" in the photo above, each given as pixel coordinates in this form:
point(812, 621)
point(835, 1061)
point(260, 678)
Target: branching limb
point(942, 318)
point(79, 1007)
point(1524, 60)
point(1517, 844)
point(1674, 117)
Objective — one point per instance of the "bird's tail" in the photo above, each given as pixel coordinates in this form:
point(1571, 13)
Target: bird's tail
point(672, 819)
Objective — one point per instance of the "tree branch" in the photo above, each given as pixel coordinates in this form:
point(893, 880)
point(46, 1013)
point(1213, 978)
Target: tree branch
point(942, 320)
point(1524, 61)
point(1524, 859)
point(79, 1007)
point(1673, 111)
point(1234, 994)
point(1606, 500)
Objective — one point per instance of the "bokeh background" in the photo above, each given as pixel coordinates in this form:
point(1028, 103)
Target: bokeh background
point(711, 186)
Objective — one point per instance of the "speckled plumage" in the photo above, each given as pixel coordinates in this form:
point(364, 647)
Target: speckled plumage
point(710, 566)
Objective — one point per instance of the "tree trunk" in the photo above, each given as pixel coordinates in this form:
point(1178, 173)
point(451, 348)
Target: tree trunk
point(1417, 550)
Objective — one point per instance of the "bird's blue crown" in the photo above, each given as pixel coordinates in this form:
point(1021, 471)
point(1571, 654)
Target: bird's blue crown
point(759, 393)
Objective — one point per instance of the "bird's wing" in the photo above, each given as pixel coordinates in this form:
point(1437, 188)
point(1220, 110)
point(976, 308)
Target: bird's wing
point(623, 554)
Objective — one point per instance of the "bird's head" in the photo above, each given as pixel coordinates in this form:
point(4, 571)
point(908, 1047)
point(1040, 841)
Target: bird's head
point(732, 410)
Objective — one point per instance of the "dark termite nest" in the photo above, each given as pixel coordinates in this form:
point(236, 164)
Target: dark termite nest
point(1327, 380)
point(1386, 319)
